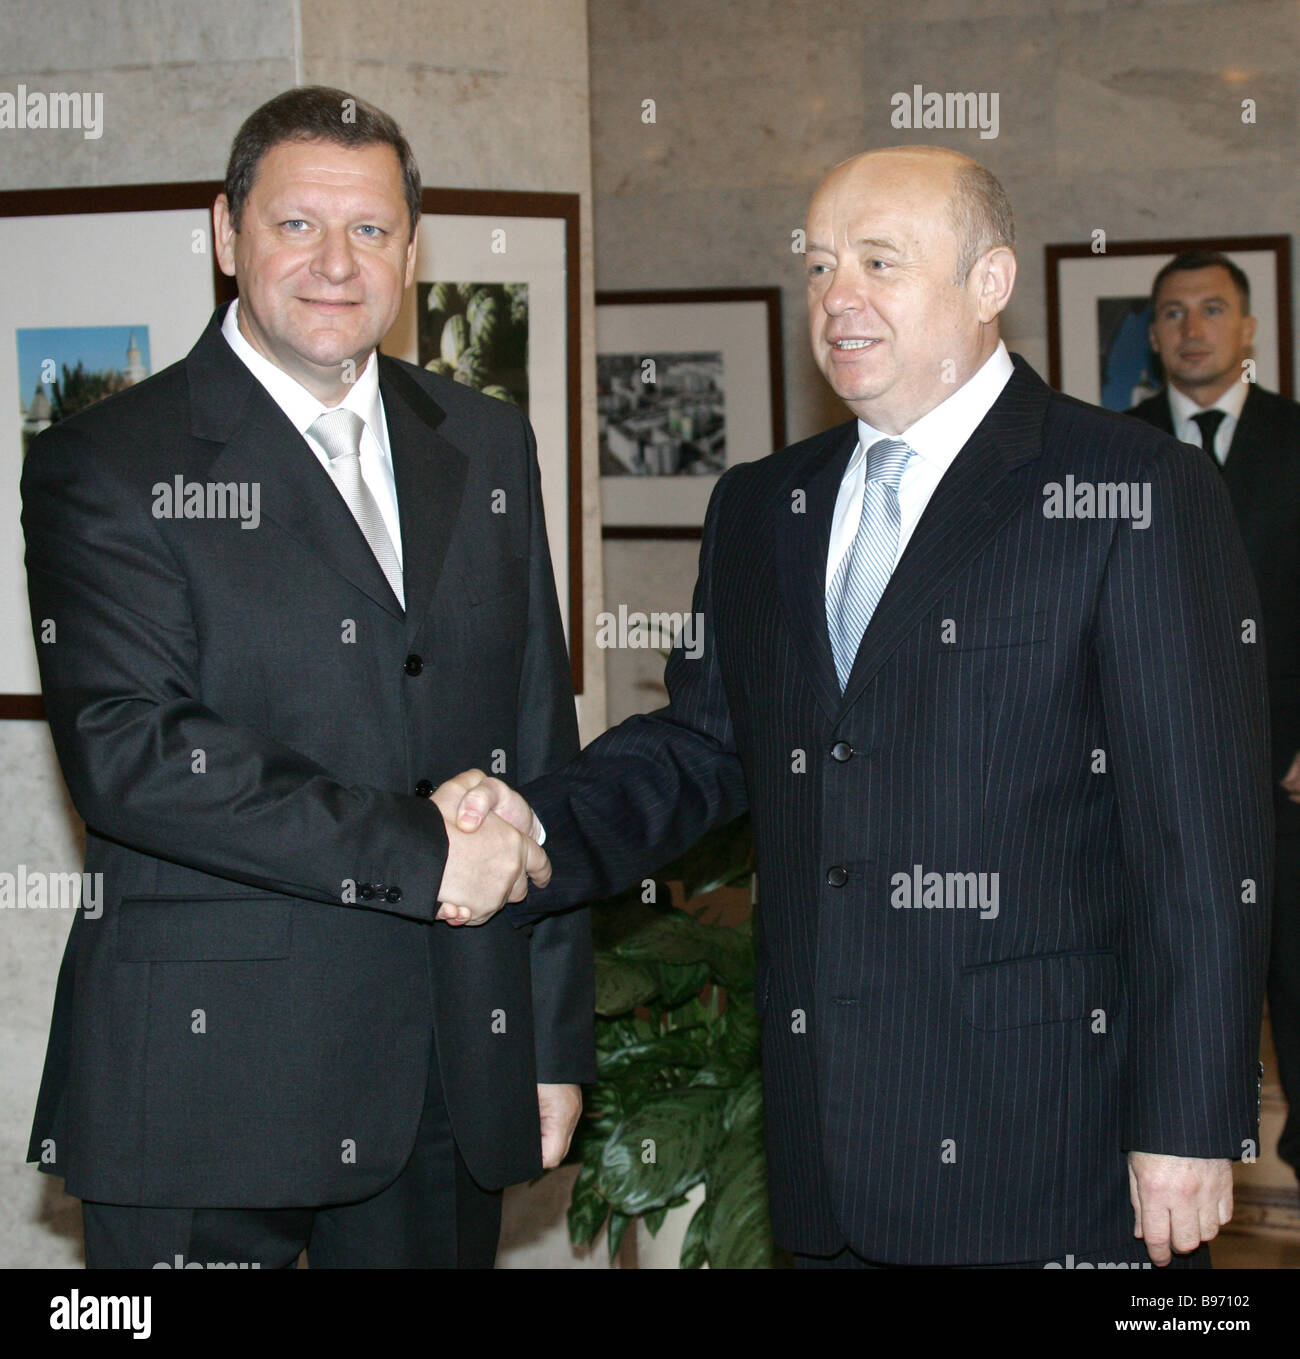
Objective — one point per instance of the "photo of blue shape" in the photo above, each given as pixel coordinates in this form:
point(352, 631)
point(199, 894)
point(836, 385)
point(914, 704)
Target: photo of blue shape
point(64, 369)
point(1130, 371)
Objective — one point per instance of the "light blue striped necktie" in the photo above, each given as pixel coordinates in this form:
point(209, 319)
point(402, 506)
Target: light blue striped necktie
point(864, 570)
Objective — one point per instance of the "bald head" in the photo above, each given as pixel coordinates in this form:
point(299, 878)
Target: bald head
point(910, 262)
point(978, 207)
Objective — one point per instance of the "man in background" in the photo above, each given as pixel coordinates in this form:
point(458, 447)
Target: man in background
point(1202, 331)
point(272, 1039)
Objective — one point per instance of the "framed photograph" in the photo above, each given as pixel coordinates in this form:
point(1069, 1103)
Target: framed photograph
point(495, 305)
point(688, 383)
point(1099, 314)
point(105, 286)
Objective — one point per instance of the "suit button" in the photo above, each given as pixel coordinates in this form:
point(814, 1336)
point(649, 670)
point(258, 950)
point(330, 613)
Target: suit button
point(841, 751)
point(837, 876)
point(393, 894)
point(423, 788)
point(413, 665)
point(366, 892)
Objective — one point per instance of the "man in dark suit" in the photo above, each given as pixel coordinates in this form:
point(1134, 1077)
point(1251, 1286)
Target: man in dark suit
point(976, 663)
point(273, 1039)
point(1202, 331)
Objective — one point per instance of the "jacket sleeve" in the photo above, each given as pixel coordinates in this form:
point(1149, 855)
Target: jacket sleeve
point(1182, 676)
point(563, 973)
point(648, 789)
point(119, 650)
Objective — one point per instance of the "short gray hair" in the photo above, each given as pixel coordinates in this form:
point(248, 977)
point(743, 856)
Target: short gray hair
point(981, 216)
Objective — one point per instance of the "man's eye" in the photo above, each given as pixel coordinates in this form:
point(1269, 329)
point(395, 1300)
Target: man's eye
point(373, 231)
point(294, 223)
point(814, 269)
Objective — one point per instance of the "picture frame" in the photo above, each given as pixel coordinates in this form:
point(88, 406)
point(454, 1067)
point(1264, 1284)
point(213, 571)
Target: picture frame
point(689, 382)
point(136, 272)
point(523, 245)
point(76, 261)
point(1098, 313)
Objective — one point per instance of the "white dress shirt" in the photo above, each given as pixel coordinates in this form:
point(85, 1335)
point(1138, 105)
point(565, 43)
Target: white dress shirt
point(302, 409)
point(1182, 408)
point(936, 439)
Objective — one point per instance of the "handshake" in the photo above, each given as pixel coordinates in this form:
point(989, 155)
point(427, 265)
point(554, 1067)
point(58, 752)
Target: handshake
point(492, 848)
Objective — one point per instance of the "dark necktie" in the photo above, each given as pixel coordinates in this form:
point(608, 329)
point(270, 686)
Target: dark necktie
point(1208, 423)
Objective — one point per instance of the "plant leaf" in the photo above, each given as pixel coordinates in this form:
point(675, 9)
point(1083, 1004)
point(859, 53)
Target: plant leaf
point(682, 1047)
point(678, 984)
point(622, 986)
point(617, 1226)
point(739, 1233)
point(669, 938)
point(731, 956)
point(695, 1251)
point(679, 1131)
point(587, 1210)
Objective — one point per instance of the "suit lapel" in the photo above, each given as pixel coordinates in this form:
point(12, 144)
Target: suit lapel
point(1161, 416)
point(260, 445)
point(973, 500)
point(1249, 453)
point(430, 475)
point(802, 543)
point(230, 407)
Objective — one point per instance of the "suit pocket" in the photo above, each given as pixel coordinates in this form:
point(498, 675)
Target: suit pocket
point(494, 584)
point(983, 633)
point(1044, 989)
point(209, 929)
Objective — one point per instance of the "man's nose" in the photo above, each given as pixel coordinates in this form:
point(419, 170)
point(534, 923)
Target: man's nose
point(846, 293)
point(335, 259)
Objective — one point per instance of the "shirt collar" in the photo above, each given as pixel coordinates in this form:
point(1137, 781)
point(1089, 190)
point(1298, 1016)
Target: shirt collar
point(941, 433)
point(298, 404)
point(1230, 403)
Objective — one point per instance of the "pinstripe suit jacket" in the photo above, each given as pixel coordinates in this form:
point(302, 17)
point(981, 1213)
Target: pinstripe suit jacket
point(1065, 703)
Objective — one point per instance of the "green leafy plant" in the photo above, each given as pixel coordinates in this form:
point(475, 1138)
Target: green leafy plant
point(678, 1100)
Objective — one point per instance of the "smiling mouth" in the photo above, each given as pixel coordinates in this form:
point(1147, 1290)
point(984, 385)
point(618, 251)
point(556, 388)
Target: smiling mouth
point(851, 346)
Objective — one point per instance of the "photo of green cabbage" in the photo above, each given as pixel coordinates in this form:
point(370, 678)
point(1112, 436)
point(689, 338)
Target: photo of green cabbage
point(476, 333)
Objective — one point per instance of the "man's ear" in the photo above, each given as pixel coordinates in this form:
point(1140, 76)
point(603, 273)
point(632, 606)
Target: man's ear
point(996, 274)
point(223, 235)
point(412, 249)
point(1249, 328)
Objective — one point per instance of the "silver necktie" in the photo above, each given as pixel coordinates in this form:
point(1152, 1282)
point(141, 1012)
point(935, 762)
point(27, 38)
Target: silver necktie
point(864, 570)
point(339, 431)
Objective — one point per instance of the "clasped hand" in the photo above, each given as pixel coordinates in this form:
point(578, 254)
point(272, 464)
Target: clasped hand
point(492, 849)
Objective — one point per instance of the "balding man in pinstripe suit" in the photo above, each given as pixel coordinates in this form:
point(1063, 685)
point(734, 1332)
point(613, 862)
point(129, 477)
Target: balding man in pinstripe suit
point(983, 665)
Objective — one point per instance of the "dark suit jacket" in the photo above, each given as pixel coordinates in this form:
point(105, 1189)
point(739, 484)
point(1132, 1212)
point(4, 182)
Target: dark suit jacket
point(1262, 471)
point(242, 718)
point(941, 1087)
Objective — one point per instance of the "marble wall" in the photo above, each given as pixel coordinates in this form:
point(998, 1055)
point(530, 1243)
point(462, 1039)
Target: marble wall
point(492, 94)
point(1124, 116)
